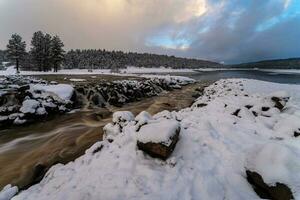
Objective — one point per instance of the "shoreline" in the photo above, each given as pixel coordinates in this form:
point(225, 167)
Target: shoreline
point(72, 134)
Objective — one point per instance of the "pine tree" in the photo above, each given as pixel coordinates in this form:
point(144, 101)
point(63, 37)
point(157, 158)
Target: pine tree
point(37, 49)
point(16, 49)
point(47, 42)
point(57, 52)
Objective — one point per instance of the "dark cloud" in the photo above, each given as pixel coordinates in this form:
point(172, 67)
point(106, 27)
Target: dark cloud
point(221, 30)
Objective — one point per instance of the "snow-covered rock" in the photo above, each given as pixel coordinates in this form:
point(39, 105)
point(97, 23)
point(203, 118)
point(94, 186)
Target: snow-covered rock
point(159, 131)
point(159, 137)
point(122, 117)
point(63, 91)
point(29, 106)
point(25, 99)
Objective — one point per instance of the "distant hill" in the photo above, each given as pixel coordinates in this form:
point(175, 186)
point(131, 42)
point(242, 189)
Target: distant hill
point(290, 63)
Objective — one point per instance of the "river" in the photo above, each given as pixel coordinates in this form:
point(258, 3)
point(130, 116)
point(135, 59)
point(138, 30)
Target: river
point(27, 152)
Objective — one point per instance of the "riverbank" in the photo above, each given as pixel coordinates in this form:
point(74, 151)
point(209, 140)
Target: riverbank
point(38, 146)
point(240, 135)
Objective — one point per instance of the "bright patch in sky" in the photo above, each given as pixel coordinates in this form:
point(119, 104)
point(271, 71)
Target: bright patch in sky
point(168, 42)
point(292, 9)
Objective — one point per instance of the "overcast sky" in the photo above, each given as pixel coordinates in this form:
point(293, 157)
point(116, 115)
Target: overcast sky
point(229, 31)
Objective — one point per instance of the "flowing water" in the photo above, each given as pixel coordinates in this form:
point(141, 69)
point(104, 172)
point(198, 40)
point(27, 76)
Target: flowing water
point(27, 152)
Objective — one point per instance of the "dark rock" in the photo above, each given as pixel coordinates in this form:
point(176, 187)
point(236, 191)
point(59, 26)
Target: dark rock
point(236, 113)
point(248, 106)
point(278, 103)
point(254, 113)
point(200, 105)
point(278, 192)
point(296, 133)
point(159, 150)
point(265, 108)
point(97, 149)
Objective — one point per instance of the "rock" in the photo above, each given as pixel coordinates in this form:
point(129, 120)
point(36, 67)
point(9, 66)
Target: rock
point(277, 192)
point(297, 133)
point(248, 106)
point(265, 108)
point(279, 103)
point(236, 113)
point(158, 139)
point(200, 105)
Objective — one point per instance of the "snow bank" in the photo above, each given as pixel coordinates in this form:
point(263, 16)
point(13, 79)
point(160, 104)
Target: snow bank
point(236, 128)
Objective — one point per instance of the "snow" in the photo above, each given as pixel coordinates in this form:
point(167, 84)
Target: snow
point(29, 106)
point(160, 131)
point(9, 71)
point(8, 192)
point(142, 119)
point(122, 116)
point(181, 80)
point(63, 91)
point(123, 72)
point(144, 70)
point(77, 79)
point(210, 160)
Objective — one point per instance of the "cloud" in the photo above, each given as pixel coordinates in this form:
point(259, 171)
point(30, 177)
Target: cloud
point(220, 30)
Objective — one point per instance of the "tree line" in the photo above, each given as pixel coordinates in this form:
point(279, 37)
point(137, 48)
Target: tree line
point(103, 59)
point(47, 53)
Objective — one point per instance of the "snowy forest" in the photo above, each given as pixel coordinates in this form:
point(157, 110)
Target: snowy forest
point(46, 53)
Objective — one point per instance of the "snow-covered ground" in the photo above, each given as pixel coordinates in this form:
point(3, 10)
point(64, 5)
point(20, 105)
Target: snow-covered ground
point(123, 72)
point(233, 127)
point(144, 70)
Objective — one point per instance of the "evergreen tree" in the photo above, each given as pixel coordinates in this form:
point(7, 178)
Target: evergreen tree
point(47, 42)
point(57, 52)
point(41, 51)
point(16, 49)
point(37, 49)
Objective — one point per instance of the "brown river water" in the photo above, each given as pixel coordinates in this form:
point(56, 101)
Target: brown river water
point(26, 153)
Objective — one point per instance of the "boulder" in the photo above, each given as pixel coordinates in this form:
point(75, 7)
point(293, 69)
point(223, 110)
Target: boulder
point(277, 192)
point(159, 138)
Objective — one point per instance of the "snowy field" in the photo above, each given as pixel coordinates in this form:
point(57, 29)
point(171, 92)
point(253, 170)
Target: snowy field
point(235, 126)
